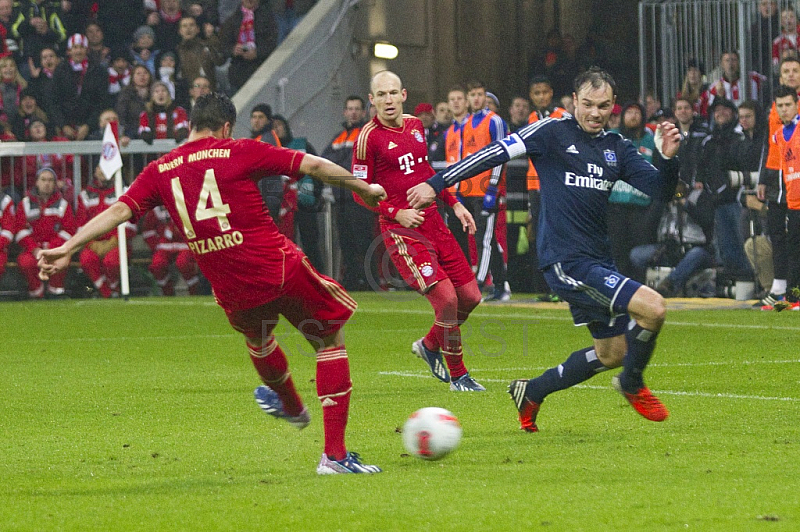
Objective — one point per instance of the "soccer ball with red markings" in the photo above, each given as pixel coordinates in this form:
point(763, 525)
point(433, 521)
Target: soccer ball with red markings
point(430, 433)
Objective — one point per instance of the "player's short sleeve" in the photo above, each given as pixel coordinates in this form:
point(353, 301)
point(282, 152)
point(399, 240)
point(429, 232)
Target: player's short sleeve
point(363, 166)
point(143, 194)
point(265, 159)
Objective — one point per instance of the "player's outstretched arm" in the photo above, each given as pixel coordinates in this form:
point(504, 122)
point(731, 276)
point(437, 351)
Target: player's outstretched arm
point(333, 174)
point(52, 261)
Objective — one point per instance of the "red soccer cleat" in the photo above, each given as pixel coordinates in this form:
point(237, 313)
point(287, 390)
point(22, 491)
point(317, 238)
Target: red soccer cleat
point(527, 409)
point(643, 401)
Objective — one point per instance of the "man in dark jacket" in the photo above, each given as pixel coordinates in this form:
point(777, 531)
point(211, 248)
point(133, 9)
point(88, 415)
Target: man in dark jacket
point(80, 91)
point(727, 149)
point(248, 37)
point(354, 223)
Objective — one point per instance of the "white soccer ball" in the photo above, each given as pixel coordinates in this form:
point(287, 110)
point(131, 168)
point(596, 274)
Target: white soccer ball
point(430, 433)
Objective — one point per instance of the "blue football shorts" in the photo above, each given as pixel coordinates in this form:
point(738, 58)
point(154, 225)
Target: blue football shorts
point(597, 294)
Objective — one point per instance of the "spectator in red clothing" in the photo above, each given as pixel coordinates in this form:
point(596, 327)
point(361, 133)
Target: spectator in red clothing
point(730, 85)
point(132, 101)
point(10, 43)
point(61, 163)
point(44, 221)
point(100, 258)
point(168, 246)
point(7, 224)
point(119, 73)
point(786, 42)
point(161, 118)
point(11, 174)
point(80, 91)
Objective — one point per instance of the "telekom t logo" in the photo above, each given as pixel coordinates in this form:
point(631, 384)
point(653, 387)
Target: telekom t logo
point(406, 163)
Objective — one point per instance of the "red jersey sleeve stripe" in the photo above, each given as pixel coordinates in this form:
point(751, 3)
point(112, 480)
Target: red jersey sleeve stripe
point(361, 142)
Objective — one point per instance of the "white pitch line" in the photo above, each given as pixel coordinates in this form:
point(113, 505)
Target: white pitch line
point(609, 388)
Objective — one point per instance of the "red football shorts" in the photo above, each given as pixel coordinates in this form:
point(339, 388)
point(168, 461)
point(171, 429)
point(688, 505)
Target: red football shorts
point(314, 303)
point(427, 255)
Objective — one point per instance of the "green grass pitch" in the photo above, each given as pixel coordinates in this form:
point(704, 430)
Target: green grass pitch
point(139, 416)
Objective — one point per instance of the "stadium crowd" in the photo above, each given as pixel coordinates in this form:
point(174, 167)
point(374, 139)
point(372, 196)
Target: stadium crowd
point(67, 68)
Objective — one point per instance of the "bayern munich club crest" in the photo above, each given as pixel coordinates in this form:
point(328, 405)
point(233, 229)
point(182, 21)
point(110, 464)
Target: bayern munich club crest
point(426, 269)
point(109, 151)
point(418, 135)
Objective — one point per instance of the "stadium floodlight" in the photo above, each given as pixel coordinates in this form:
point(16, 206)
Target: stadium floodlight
point(385, 50)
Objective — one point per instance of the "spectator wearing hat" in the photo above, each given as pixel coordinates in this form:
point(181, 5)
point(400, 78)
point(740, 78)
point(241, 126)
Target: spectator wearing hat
point(38, 25)
point(80, 91)
point(119, 74)
point(492, 102)
point(161, 118)
point(248, 37)
point(725, 149)
point(41, 76)
point(434, 131)
point(28, 110)
point(143, 50)
point(45, 220)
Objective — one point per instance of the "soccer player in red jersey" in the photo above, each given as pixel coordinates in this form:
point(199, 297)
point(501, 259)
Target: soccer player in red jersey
point(391, 151)
point(209, 186)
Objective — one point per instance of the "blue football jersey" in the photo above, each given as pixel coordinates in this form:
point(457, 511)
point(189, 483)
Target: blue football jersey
point(576, 174)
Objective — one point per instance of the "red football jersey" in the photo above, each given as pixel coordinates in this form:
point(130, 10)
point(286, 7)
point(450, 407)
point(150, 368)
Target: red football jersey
point(209, 187)
point(395, 158)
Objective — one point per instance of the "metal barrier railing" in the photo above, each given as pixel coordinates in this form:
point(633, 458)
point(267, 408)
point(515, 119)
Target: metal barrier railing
point(86, 154)
point(673, 32)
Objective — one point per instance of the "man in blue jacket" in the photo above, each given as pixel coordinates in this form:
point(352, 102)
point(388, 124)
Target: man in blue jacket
point(578, 162)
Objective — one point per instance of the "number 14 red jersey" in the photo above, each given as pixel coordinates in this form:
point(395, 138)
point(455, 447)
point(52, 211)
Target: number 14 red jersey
point(209, 186)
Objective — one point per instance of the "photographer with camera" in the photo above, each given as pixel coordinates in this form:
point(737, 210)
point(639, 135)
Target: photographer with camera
point(685, 242)
point(724, 152)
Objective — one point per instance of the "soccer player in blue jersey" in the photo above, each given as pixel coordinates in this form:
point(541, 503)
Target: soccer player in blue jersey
point(578, 163)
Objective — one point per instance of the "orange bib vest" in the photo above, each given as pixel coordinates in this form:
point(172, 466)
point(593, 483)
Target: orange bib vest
point(533, 176)
point(790, 165)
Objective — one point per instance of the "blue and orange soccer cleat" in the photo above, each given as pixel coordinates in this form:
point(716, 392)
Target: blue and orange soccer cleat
point(433, 359)
point(349, 464)
point(643, 401)
point(526, 408)
point(270, 403)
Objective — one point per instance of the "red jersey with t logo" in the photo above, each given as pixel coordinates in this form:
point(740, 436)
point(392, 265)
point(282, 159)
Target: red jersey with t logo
point(209, 187)
point(396, 159)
